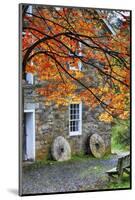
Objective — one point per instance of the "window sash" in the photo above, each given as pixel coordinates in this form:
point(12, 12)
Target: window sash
point(29, 10)
point(71, 67)
point(29, 78)
point(78, 53)
point(75, 121)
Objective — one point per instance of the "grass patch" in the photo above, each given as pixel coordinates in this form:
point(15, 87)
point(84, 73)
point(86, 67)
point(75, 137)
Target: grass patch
point(75, 158)
point(41, 163)
point(91, 170)
point(38, 164)
point(124, 183)
point(80, 157)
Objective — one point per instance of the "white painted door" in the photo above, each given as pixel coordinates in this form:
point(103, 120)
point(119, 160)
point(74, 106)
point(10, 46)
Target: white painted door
point(29, 135)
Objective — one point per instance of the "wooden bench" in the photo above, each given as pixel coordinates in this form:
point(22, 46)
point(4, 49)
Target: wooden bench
point(123, 165)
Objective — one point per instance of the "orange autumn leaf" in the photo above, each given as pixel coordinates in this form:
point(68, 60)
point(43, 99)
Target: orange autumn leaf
point(76, 58)
point(105, 117)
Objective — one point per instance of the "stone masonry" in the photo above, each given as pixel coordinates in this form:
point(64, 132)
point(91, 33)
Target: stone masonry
point(53, 121)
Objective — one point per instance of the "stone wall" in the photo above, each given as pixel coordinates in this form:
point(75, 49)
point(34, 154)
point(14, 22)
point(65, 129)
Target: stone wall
point(51, 121)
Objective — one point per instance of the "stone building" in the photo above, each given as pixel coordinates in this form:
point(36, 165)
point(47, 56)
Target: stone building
point(42, 124)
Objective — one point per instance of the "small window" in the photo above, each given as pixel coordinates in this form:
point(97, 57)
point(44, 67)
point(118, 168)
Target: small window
point(78, 53)
point(29, 10)
point(29, 78)
point(75, 68)
point(75, 119)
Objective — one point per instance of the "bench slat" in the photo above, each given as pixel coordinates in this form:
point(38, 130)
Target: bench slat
point(112, 170)
point(123, 165)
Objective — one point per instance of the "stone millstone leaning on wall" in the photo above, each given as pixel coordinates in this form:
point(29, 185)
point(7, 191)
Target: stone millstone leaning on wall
point(61, 150)
point(97, 146)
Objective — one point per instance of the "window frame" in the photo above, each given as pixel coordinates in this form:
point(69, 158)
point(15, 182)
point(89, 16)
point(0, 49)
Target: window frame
point(29, 78)
point(79, 132)
point(79, 63)
point(30, 10)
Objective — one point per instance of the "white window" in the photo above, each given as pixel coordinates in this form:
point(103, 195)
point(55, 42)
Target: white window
point(79, 53)
point(29, 10)
point(80, 49)
point(75, 119)
point(75, 68)
point(29, 78)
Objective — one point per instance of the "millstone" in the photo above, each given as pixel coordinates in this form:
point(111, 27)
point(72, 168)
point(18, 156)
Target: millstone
point(97, 146)
point(61, 150)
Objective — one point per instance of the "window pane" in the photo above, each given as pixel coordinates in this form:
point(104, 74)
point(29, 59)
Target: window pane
point(77, 111)
point(77, 125)
point(73, 123)
point(73, 128)
point(77, 116)
point(76, 128)
point(77, 106)
point(72, 117)
point(71, 112)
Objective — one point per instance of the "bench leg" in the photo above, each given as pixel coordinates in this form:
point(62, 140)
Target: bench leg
point(127, 170)
point(111, 178)
point(120, 175)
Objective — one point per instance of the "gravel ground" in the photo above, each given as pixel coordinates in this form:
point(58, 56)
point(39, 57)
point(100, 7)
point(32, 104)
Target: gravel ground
point(75, 175)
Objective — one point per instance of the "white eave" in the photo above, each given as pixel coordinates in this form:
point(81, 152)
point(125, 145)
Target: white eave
point(107, 24)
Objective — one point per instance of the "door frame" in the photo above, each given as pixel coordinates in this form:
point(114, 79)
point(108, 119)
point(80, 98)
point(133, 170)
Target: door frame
point(33, 124)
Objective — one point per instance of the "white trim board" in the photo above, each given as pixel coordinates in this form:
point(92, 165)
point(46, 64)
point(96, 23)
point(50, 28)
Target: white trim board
point(33, 132)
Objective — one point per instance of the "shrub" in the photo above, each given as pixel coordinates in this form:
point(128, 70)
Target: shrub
point(121, 134)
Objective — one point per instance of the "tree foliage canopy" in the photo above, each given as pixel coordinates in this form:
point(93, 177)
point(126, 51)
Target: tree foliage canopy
point(76, 57)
